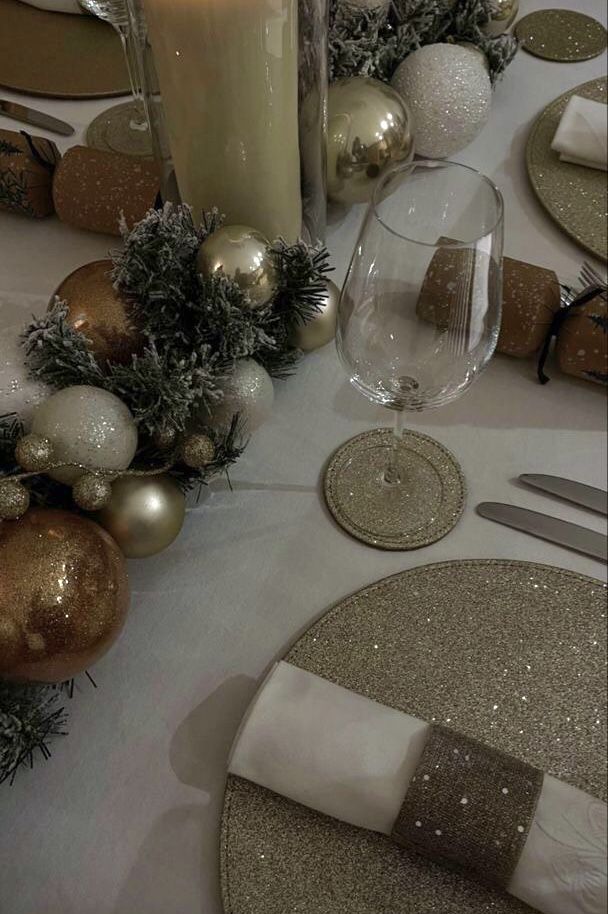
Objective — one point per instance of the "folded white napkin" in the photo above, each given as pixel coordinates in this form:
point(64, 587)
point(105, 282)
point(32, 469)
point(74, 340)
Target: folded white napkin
point(56, 6)
point(581, 136)
point(352, 758)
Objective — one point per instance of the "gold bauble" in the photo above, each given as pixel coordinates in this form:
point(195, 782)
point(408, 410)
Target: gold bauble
point(91, 492)
point(502, 17)
point(198, 451)
point(322, 328)
point(14, 500)
point(34, 453)
point(144, 514)
point(369, 128)
point(101, 313)
point(241, 253)
point(165, 438)
point(64, 595)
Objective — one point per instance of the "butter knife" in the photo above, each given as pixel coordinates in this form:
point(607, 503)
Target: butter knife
point(34, 118)
point(578, 492)
point(547, 528)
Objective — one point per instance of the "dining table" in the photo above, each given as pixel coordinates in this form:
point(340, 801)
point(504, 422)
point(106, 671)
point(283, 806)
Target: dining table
point(124, 817)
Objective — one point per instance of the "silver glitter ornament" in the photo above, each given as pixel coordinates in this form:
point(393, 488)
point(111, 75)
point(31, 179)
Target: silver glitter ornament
point(322, 328)
point(369, 128)
point(449, 93)
point(91, 492)
point(34, 453)
point(502, 17)
point(18, 392)
point(14, 499)
point(88, 426)
point(197, 451)
point(241, 253)
point(248, 391)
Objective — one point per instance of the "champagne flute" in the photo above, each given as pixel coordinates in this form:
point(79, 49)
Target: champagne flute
point(418, 321)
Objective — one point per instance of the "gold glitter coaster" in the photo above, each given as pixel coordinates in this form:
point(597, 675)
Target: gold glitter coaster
point(575, 196)
point(110, 131)
point(510, 653)
point(425, 505)
point(563, 35)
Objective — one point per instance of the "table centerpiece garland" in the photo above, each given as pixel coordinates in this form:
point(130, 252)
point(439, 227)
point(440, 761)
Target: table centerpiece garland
point(194, 329)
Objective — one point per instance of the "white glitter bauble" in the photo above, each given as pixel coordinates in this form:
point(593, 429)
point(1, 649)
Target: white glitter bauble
point(248, 392)
point(449, 93)
point(18, 392)
point(86, 425)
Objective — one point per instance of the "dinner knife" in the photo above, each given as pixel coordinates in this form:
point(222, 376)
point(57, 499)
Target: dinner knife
point(578, 492)
point(547, 528)
point(34, 118)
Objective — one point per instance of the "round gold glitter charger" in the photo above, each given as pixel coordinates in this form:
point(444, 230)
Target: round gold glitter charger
point(562, 35)
point(574, 195)
point(511, 653)
point(421, 509)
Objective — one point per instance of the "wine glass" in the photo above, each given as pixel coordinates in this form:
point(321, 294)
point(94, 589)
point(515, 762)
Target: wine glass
point(418, 321)
point(123, 128)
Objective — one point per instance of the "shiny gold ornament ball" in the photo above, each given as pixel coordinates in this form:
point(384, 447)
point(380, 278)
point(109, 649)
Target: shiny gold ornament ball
point(322, 328)
point(14, 501)
point(144, 514)
point(241, 253)
point(64, 595)
point(34, 453)
point(91, 492)
point(198, 451)
point(97, 310)
point(369, 128)
point(502, 17)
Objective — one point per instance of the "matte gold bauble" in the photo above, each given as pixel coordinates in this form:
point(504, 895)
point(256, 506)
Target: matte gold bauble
point(502, 17)
point(34, 453)
point(92, 493)
point(14, 500)
point(241, 253)
point(144, 514)
point(100, 312)
point(64, 595)
point(369, 128)
point(322, 328)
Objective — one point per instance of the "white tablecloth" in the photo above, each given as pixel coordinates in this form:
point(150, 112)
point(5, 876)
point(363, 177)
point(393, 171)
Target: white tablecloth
point(124, 818)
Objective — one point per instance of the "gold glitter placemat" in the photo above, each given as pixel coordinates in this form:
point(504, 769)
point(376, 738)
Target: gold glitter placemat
point(59, 55)
point(512, 653)
point(574, 195)
point(563, 35)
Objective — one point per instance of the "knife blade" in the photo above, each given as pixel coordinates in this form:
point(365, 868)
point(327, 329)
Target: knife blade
point(578, 492)
point(546, 527)
point(35, 118)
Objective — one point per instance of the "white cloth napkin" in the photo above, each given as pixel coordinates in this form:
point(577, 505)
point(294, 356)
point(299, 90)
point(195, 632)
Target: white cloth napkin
point(352, 758)
point(581, 136)
point(56, 6)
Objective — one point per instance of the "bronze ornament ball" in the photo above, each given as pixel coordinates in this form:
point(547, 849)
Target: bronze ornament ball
point(14, 500)
point(64, 595)
point(370, 128)
point(240, 252)
point(322, 328)
point(144, 514)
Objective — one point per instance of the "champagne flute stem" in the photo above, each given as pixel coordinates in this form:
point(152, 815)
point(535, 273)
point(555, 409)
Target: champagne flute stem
point(392, 476)
point(128, 46)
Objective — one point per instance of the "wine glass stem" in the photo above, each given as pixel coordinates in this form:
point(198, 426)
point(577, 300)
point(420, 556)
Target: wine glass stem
point(135, 76)
point(392, 476)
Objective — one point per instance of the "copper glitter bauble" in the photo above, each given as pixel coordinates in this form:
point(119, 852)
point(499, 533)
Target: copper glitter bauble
point(92, 493)
point(241, 253)
point(14, 500)
point(198, 451)
point(34, 453)
point(99, 312)
point(64, 595)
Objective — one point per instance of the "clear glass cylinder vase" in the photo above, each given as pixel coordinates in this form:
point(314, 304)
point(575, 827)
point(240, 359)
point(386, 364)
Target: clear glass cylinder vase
point(237, 94)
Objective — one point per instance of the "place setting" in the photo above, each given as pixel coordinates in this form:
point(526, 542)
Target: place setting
point(434, 741)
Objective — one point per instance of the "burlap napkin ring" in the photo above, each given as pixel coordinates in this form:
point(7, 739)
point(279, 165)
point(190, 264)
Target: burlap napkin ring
point(469, 806)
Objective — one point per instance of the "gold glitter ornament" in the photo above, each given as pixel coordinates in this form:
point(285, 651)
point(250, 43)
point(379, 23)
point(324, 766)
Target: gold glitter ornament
point(144, 514)
point(502, 17)
point(369, 128)
point(197, 451)
point(14, 500)
point(63, 597)
point(241, 254)
point(34, 453)
point(91, 492)
point(322, 328)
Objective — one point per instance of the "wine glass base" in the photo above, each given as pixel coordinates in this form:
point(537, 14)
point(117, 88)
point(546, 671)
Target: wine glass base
point(419, 510)
point(111, 131)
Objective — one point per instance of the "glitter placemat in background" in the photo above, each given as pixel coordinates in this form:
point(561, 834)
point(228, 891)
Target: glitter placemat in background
point(511, 653)
point(574, 195)
point(562, 35)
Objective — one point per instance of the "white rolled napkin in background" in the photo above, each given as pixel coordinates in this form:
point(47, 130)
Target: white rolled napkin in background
point(57, 6)
point(581, 136)
point(352, 758)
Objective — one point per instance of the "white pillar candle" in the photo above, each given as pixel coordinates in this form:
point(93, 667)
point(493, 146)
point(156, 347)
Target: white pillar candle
point(228, 74)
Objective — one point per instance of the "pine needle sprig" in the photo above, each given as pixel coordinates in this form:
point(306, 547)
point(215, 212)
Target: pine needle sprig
point(30, 716)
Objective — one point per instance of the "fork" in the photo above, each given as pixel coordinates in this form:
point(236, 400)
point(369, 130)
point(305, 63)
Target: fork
point(590, 277)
